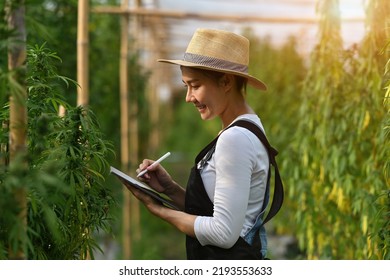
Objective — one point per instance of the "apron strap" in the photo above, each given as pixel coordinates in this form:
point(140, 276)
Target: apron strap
point(278, 195)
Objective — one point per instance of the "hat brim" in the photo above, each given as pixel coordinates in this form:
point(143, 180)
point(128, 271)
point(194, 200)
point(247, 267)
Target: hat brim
point(256, 83)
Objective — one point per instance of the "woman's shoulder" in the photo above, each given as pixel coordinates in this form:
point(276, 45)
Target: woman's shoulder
point(236, 134)
point(253, 118)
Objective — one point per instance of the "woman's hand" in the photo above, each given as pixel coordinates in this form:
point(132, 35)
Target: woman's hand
point(181, 220)
point(156, 177)
point(151, 204)
point(160, 180)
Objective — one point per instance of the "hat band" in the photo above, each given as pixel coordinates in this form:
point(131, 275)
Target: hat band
point(216, 63)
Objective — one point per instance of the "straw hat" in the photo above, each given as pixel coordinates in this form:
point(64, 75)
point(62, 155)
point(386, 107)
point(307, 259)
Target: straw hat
point(220, 51)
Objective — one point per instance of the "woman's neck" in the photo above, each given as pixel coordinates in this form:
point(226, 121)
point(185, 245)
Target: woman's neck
point(235, 111)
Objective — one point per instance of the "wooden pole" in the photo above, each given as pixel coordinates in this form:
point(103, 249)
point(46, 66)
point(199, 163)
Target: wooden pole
point(134, 133)
point(18, 111)
point(82, 53)
point(124, 108)
point(83, 65)
point(206, 16)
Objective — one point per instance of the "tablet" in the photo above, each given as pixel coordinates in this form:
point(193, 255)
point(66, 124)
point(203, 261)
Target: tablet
point(124, 178)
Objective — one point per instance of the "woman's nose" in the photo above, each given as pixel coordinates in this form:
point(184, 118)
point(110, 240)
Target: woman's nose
point(188, 95)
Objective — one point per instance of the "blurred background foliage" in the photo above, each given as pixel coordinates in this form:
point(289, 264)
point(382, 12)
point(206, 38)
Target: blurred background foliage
point(327, 114)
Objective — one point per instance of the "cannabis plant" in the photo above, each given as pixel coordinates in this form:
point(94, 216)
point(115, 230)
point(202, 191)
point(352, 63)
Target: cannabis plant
point(340, 186)
point(67, 199)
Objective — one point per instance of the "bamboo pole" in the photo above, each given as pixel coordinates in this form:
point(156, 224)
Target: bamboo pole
point(124, 109)
point(18, 111)
point(83, 66)
point(82, 53)
point(207, 16)
point(134, 142)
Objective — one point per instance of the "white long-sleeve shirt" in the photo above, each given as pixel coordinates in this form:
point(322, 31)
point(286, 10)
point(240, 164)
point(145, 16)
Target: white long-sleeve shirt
point(235, 180)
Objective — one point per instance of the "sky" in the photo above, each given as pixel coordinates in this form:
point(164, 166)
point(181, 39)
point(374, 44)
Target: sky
point(352, 31)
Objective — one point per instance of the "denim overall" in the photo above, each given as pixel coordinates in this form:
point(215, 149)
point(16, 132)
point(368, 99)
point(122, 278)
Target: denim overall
point(252, 246)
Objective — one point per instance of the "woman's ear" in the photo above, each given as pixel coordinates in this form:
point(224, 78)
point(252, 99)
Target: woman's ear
point(227, 81)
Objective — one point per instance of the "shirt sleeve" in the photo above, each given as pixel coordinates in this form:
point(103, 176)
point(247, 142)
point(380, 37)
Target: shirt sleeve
point(234, 163)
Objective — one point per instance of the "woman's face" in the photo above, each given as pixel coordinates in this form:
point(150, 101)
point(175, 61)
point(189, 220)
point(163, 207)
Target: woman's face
point(208, 96)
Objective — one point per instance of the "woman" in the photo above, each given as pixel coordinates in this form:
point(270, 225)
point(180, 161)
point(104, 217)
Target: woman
point(227, 192)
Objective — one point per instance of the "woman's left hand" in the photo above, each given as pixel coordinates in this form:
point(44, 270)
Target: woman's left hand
point(151, 204)
point(181, 220)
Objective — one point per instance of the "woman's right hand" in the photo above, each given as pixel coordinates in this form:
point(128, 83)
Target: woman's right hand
point(160, 180)
point(156, 176)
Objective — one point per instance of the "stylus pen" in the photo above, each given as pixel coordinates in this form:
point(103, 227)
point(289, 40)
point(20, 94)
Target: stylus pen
point(154, 163)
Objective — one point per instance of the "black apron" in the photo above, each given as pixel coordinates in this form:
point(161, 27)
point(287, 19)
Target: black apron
point(197, 202)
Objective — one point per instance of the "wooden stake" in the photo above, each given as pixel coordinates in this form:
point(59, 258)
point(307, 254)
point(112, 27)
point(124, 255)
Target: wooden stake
point(133, 127)
point(82, 53)
point(18, 111)
point(83, 65)
point(206, 16)
point(124, 110)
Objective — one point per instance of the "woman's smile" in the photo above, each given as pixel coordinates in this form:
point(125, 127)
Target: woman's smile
point(200, 107)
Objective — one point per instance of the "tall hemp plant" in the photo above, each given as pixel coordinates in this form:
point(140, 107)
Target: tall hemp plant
point(384, 220)
point(376, 45)
point(340, 185)
point(283, 69)
point(67, 199)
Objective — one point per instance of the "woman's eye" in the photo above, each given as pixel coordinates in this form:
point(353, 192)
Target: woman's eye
point(192, 87)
